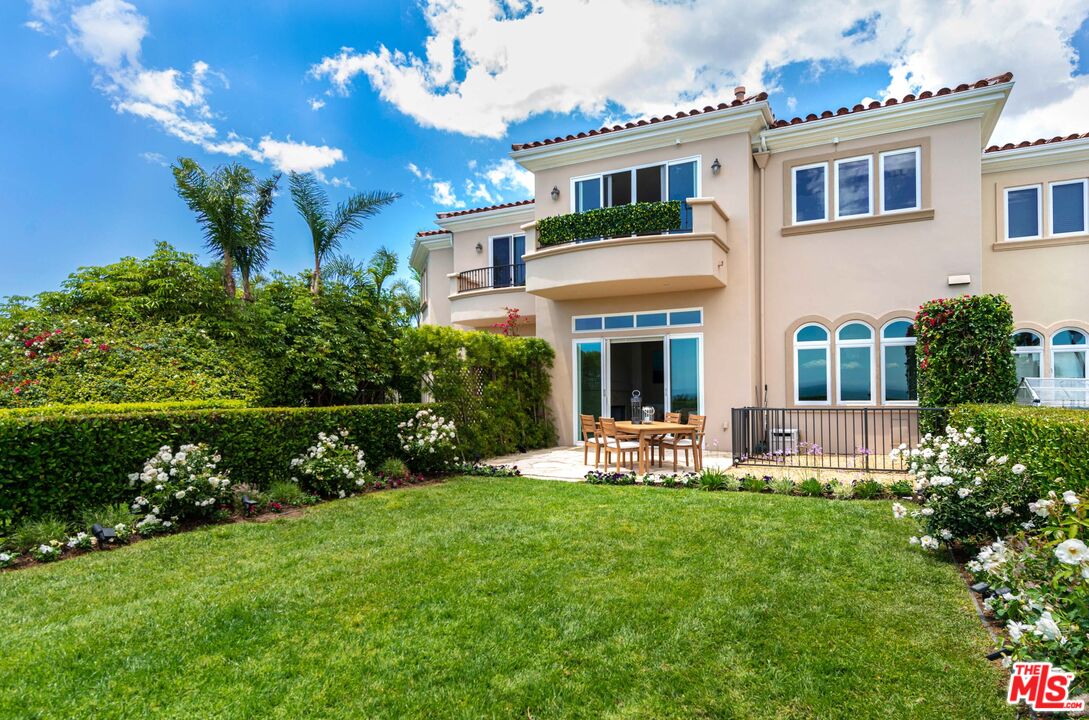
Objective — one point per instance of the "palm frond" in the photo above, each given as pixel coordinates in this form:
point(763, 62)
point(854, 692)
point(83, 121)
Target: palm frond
point(312, 203)
point(351, 213)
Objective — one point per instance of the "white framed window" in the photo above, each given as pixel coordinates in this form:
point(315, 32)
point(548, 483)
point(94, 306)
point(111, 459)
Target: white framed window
point(645, 319)
point(672, 180)
point(854, 187)
point(812, 371)
point(854, 363)
point(1023, 212)
point(901, 180)
point(1068, 207)
point(1068, 354)
point(809, 193)
point(1028, 354)
point(899, 372)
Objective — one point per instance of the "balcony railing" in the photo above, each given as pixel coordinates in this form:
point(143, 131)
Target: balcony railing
point(494, 276)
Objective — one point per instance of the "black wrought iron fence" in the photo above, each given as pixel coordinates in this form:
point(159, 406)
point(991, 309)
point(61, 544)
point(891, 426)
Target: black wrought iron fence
point(493, 276)
point(830, 438)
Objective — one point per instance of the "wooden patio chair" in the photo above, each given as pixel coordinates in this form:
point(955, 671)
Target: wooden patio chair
point(670, 417)
point(686, 442)
point(613, 441)
point(591, 435)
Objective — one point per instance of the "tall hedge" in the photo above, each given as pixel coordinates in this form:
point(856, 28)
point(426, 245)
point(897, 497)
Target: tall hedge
point(57, 464)
point(1051, 442)
point(965, 351)
point(497, 387)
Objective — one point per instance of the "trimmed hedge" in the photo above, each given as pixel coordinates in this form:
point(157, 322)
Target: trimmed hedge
point(621, 220)
point(965, 351)
point(117, 408)
point(1052, 442)
point(58, 464)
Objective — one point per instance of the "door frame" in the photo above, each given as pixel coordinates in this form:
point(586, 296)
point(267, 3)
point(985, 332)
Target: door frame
point(606, 373)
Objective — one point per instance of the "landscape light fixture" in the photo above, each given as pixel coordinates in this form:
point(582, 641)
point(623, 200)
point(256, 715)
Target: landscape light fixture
point(249, 504)
point(999, 654)
point(103, 535)
point(716, 166)
point(980, 588)
point(555, 192)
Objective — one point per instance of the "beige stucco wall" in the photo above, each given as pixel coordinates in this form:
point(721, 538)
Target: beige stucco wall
point(437, 286)
point(727, 351)
point(875, 272)
point(1045, 280)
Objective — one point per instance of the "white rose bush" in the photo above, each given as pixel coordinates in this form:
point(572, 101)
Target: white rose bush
point(179, 486)
point(968, 496)
point(1040, 581)
point(331, 468)
point(429, 442)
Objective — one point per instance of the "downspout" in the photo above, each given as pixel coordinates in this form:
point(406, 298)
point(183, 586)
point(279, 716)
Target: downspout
point(761, 160)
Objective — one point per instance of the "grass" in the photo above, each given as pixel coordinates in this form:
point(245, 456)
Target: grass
point(507, 598)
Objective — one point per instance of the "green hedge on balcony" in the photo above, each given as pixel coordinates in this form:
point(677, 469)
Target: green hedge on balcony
point(622, 220)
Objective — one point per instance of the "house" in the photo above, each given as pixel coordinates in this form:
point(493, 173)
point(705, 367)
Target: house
point(801, 253)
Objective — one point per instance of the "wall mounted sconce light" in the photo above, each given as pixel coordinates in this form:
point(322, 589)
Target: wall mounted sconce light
point(716, 166)
point(479, 248)
point(555, 192)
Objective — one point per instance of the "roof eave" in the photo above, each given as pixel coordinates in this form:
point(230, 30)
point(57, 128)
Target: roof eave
point(424, 244)
point(488, 218)
point(1040, 155)
point(751, 118)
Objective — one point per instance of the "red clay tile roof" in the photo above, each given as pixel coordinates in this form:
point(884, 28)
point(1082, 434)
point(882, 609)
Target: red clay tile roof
point(426, 233)
point(459, 213)
point(640, 123)
point(811, 117)
point(1041, 141)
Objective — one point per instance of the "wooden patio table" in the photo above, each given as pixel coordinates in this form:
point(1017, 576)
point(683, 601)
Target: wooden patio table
point(646, 430)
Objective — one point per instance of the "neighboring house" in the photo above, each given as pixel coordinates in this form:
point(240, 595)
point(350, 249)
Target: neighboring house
point(805, 248)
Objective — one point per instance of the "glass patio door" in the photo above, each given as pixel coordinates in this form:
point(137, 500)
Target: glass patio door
point(589, 380)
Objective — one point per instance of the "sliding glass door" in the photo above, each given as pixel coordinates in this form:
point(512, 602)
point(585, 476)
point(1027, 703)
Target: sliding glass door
point(508, 267)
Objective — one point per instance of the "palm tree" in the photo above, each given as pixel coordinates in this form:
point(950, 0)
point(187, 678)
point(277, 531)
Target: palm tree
point(409, 296)
point(253, 254)
point(382, 266)
point(232, 208)
point(328, 229)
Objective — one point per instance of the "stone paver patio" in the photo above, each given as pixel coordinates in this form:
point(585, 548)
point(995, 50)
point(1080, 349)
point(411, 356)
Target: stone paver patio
point(565, 463)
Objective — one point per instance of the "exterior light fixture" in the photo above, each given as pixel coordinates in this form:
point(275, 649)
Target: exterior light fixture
point(555, 192)
point(250, 505)
point(479, 248)
point(980, 588)
point(716, 166)
point(103, 535)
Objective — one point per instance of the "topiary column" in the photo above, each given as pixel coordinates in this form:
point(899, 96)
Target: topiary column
point(965, 351)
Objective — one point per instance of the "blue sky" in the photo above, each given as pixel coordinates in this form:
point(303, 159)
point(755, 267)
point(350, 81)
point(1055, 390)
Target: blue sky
point(101, 94)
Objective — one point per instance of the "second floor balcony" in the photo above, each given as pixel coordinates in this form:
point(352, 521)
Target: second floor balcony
point(635, 249)
point(480, 297)
point(490, 278)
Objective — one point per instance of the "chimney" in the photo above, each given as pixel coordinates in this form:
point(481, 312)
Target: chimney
point(739, 92)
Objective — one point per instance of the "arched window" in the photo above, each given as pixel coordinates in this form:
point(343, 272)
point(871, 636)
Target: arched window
point(1028, 354)
point(899, 371)
point(854, 363)
point(811, 368)
point(1068, 354)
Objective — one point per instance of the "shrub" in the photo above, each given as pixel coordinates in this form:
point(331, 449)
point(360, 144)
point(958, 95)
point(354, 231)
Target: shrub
point(969, 496)
point(428, 441)
point(606, 477)
point(620, 221)
point(7, 559)
point(47, 552)
point(483, 470)
point(782, 485)
point(1052, 442)
point(811, 487)
point(115, 408)
point(179, 486)
point(901, 488)
point(81, 541)
point(713, 479)
point(869, 489)
point(44, 531)
point(1044, 570)
point(965, 351)
point(396, 468)
point(754, 484)
point(286, 492)
point(89, 457)
point(495, 388)
point(843, 489)
point(117, 516)
point(331, 467)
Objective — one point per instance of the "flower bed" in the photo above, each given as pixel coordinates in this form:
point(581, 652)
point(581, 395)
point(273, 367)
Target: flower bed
point(719, 480)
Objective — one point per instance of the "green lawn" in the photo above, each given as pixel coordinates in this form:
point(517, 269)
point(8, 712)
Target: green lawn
point(507, 598)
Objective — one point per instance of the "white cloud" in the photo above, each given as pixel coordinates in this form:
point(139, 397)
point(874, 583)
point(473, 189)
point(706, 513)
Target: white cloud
point(35, 25)
point(508, 175)
point(486, 65)
point(415, 170)
point(155, 158)
point(478, 192)
point(316, 104)
point(110, 35)
point(442, 194)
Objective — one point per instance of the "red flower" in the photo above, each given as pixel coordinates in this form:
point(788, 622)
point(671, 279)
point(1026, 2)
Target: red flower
point(104, 347)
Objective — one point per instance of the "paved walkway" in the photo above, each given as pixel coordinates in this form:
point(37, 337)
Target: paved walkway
point(565, 463)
